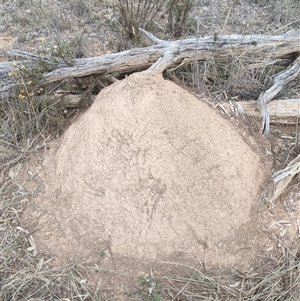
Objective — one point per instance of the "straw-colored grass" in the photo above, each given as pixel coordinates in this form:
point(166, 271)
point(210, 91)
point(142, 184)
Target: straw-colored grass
point(274, 279)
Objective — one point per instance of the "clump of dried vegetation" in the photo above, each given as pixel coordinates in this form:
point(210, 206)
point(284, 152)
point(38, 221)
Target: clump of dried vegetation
point(275, 279)
point(21, 276)
point(64, 30)
point(135, 14)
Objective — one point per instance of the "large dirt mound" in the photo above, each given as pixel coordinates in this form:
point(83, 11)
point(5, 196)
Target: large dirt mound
point(149, 172)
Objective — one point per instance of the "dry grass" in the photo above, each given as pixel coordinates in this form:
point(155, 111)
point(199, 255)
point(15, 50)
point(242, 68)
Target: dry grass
point(276, 279)
point(137, 14)
point(179, 16)
point(30, 120)
point(134, 14)
point(23, 276)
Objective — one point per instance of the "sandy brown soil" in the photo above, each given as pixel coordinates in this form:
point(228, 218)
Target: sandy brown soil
point(150, 174)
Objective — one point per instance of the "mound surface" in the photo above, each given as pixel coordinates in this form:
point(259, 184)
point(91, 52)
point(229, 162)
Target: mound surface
point(149, 172)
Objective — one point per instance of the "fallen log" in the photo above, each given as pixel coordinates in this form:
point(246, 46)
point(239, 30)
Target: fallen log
point(281, 111)
point(163, 55)
point(260, 50)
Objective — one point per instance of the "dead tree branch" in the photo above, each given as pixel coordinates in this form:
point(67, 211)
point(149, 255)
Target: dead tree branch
point(280, 80)
point(171, 54)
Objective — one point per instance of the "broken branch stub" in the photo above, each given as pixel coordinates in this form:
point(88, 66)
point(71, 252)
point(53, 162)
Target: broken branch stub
point(283, 177)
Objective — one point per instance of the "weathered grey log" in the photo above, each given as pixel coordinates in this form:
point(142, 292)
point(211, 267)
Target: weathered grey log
point(284, 111)
point(169, 54)
point(281, 111)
